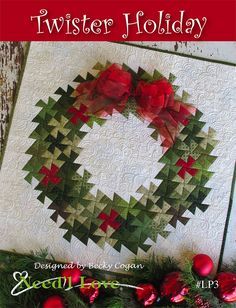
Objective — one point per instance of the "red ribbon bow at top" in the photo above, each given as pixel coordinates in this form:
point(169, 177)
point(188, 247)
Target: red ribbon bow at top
point(109, 91)
point(155, 100)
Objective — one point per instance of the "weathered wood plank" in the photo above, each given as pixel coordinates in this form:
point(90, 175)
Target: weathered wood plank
point(216, 51)
point(11, 62)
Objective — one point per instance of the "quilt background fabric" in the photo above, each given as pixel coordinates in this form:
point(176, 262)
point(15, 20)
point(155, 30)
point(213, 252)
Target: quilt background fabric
point(106, 191)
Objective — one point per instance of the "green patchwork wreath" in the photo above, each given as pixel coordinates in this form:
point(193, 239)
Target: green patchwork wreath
point(186, 157)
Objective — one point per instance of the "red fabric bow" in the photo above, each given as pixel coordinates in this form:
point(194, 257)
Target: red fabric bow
point(155, 101)
point(154, 96)
point(109, 91)
point(156, 104)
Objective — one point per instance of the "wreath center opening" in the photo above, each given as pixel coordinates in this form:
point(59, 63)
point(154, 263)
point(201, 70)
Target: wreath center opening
point(121, 156)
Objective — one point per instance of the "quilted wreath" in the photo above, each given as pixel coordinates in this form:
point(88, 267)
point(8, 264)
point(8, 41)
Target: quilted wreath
point(186, 157)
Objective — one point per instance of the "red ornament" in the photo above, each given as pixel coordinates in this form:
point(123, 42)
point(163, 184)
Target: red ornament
point(203, 265)
point(74, 273)
point(54, 301)
point(147, 295)
point(173, 288)
point(227, 287)
point(90, 292)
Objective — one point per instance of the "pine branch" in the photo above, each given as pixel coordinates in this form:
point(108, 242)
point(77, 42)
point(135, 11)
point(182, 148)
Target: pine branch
point(155, 268)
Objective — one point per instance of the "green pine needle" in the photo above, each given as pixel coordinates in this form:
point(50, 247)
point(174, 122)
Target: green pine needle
point(155, 268)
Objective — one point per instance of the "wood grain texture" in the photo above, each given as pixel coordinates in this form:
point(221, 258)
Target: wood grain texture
point(11, 62)
point(212, 51)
